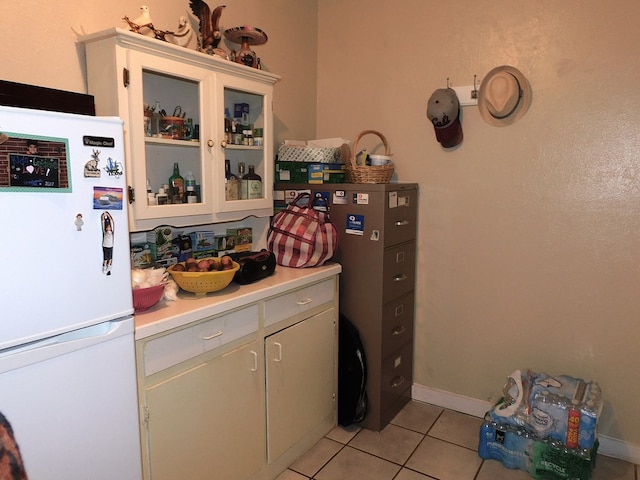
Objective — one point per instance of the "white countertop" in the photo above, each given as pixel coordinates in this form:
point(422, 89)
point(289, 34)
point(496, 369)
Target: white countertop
point(191, 307)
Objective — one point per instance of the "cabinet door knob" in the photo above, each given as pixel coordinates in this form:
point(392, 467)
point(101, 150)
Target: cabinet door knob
point(279, 347)
point(402, 223)
point(223, 144)
point(400, 278)
point(255, 361)
point(210, 143)
point(306, 301)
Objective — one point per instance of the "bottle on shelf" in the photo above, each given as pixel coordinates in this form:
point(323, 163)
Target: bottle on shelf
point(176, 185)
point(242, 191)
point(231, 183)
point(162, 198)
point(252, 184)
point(190, 188)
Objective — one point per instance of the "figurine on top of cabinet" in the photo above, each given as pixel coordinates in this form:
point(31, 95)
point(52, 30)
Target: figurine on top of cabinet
point(209, 35)
point(143, 23)
point(183, 35)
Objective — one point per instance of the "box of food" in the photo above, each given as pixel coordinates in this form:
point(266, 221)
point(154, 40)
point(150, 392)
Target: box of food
point(203, 241)
point(239, 239)
point(314, 173)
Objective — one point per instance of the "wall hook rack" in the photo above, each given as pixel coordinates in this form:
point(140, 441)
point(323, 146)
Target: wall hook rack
point(467, 94)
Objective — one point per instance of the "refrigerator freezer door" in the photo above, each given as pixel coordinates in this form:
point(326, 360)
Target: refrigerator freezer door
point(71, 401)
point(51, 260)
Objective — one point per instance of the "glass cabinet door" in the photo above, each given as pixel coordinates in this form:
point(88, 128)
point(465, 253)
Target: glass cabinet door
point(243, 158)
point(167, 113)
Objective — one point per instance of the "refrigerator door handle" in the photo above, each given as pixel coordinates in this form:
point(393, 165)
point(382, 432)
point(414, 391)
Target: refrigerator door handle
point(40, 350)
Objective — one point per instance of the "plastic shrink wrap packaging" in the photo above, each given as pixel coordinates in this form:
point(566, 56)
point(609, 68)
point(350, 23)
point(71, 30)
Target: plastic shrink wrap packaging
point(562, 408)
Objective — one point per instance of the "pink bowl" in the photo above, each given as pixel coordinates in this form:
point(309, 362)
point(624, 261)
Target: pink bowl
point(145, 298)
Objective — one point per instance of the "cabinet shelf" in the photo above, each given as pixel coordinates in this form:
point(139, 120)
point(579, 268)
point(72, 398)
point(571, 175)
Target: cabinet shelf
point(172, 142)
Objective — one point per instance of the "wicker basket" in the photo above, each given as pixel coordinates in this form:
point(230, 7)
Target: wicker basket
point(365, 173)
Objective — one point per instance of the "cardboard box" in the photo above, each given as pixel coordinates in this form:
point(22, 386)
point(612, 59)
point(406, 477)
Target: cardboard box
point(203, 241)
point(314, 173)
point(239, 239)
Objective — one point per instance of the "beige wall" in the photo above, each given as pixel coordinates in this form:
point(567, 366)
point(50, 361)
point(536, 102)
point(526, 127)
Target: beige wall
point(529, 248)
point(44, 52)
point(528, 235)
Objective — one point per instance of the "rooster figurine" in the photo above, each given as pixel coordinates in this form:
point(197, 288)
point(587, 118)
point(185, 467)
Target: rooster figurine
point(141, 24)
point(209, 36)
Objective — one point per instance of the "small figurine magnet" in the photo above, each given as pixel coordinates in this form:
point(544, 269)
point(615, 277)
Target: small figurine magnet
point(107, 242)
point(79, 222)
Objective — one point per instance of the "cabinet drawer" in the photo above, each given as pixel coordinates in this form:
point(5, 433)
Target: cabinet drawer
point(291, 304)
point(190, 342)
point(397, 323)
point(396, 375)
point(400, 217)
point(399, 268)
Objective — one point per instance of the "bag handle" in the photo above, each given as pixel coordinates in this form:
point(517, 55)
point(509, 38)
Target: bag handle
point(354, 149)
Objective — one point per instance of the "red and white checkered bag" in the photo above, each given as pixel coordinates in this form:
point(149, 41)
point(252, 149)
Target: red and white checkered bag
point(301, 235)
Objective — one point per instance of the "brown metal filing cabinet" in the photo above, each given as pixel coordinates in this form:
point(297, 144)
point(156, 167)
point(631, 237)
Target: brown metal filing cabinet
point(377, 249)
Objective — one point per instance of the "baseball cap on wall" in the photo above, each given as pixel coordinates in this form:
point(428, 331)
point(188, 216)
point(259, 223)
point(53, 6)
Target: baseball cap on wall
point(443, 109)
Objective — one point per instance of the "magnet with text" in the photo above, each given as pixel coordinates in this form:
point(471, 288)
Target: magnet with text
point(355, 224)
point(113, 168)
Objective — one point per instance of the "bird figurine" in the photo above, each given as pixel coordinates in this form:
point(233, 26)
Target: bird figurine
point(141, 24)
point(182, 36)
point(209, 36)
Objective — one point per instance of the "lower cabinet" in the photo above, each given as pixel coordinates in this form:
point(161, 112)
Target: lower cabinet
point(300, 383)
point(208, 422)
point(240, 395)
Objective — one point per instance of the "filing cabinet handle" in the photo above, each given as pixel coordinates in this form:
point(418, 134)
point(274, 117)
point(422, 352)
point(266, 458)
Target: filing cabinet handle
point(400, 278)
point(402, 223)
point(215, 335)
point(397, 381)
point(399, 330)
point(279, 347)
point(255, 361)
point(306, 301)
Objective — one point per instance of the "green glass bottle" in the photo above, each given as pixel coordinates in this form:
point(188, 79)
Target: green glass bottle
point(176, 185)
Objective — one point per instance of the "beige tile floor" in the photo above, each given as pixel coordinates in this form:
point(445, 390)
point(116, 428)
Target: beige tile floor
point(423, 442)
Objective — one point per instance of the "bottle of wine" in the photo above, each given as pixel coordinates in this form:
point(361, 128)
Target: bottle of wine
point(231, 183)
point(252, 184)
point(176, 185)
point(242, 191)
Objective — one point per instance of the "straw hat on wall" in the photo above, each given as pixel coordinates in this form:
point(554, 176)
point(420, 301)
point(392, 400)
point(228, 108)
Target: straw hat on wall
point(504, 96)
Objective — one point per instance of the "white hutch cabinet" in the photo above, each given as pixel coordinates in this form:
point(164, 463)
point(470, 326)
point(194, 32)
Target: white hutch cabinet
point(126, 71)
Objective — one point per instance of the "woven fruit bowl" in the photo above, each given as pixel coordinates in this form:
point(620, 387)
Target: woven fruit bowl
point(145, 298)
point(201, 283)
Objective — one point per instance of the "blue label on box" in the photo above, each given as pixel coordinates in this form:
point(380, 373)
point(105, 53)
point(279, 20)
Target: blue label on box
point(355, 224)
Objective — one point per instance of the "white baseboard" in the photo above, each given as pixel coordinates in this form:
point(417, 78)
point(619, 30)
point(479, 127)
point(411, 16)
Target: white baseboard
point(611, 447)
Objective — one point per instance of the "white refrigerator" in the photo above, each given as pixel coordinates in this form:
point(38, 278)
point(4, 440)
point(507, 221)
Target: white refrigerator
point(67, 359)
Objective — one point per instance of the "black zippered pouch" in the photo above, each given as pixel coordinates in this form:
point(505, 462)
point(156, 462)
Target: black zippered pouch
point(254, 266)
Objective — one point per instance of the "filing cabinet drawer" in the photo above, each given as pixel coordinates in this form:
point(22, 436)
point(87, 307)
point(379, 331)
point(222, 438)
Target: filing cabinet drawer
point(396, 375)
point(399, 267)
point(400, 217)
point(176, 347)
point(299, 301)
point(397, 323)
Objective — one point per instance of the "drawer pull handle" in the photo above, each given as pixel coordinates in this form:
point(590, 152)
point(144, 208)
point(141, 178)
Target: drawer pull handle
point(211, 337)
point(398, 330)
point(255, 361)
point(397, 381)
point(400, 278)
point(306, 301)
point(402, 223)
point(279, 347)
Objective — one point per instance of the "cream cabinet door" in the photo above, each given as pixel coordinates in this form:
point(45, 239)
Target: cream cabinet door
point(300, 363)
point(208, 422)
